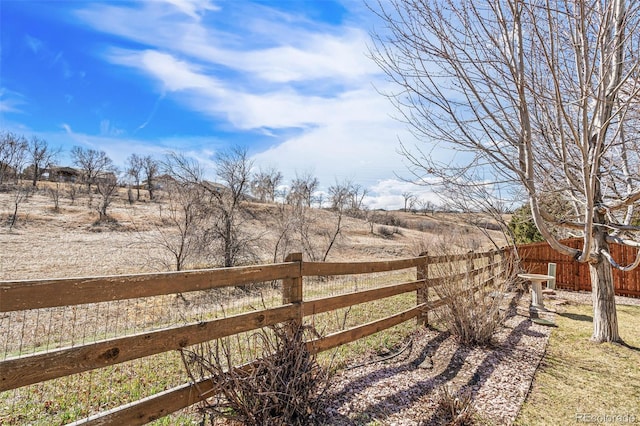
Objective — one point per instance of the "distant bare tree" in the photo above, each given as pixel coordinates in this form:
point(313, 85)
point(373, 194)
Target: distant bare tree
point(284, 229)
point(13, 150)
point(226, 200)
point(233, 169)
point(135, 167)
point(426, 206)
point(72, 192)
point(40, 156)
point(92, 162)
point(409, 200)
point(184, 219)
point(341, 196)
point(107, 188)
point(20, 194)
point(302, 189)
point(54, 193)
point(150, 166)
point(265, 183)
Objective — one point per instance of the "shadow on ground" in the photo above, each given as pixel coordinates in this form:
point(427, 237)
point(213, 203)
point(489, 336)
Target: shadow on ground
point(405, 397)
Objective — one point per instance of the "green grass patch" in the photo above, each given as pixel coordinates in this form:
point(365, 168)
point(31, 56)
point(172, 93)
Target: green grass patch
point(584, 382)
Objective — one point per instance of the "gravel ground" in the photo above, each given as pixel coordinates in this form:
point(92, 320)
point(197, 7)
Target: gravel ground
point(405, 390)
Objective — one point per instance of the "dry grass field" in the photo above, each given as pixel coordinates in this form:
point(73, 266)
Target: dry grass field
point(67, 243)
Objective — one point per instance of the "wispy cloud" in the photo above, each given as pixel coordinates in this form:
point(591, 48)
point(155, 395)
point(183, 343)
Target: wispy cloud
point(33, 43)
point(255, 68)
point(193, 8)
point(11, 101)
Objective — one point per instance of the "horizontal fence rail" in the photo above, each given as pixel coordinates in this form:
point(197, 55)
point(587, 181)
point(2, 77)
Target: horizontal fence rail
point(573, 275)
point(172, 311)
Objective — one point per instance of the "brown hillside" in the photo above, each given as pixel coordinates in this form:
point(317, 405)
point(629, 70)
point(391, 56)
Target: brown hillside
point(45, 243)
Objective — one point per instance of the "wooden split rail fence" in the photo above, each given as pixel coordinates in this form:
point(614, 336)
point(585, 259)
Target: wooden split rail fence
point(302, 295)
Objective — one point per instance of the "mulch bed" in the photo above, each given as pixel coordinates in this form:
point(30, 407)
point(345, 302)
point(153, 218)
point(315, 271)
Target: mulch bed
point(405, 389)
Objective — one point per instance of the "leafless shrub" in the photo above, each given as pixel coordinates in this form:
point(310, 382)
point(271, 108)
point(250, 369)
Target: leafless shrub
point(20, 194)
point(455, 408)
point(283, 386)
point(385, 231)
point(107, 188)
point(472, 311)
point(72, 192)
point(54, 194)
point(389, 220)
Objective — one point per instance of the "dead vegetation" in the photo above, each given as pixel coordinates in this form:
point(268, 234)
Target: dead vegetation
point(72, 241)
point(283, 386)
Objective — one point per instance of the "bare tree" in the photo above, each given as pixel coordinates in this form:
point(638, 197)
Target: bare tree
point(135, 167)
point(54, 193)
point(302, 189)
point(150, 167)
point(107, 188)
point(426, 206)
point(409, 200)
point(341, 196)
point(233, 169)
point(72, 192)
point(183, 219)
point(285, 217)
point(356, 206)
point(533, 94)
point(92, 162)
point(41, 156)
point(265, 183)
point(226, 200)
point(12, 155)
point(20, 194)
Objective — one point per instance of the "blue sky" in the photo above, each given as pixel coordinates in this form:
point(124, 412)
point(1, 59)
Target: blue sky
point(289, 80)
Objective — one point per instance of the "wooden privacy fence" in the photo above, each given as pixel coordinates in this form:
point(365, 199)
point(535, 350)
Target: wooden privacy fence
point(572, 275)
point(59, 333)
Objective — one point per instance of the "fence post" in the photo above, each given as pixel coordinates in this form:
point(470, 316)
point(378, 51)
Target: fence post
point(292, 287)
point(491, 257)
point(470, 257)
point(422, 295)
point(551, 270)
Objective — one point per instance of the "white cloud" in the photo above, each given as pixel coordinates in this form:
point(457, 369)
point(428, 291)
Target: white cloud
point(388, 194)
point(193, 8)
point(10, 101)
point(34, 44)
point(269, 71)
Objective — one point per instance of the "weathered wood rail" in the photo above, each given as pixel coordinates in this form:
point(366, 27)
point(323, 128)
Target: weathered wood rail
point(23, 370)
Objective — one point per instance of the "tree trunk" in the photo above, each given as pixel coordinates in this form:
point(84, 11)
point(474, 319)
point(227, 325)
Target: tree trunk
point(35, 175)
point(605, 319)
point(228, 242)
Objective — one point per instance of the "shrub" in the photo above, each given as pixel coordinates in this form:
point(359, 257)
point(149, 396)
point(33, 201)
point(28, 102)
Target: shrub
point(472, 309)
point(523, 228)
point(385, 232)
point(454, 408)
point(283, 386)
